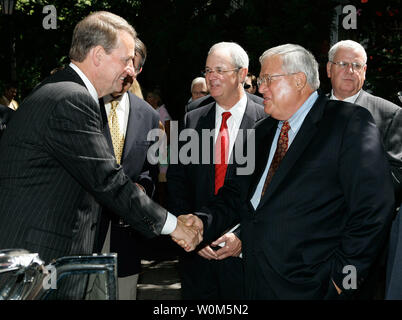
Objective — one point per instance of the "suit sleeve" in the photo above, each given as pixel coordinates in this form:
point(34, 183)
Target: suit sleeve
point(75, 138)
point(364, 175)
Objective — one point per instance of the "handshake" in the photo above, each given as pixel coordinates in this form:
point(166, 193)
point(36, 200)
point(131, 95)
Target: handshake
point(188, 232)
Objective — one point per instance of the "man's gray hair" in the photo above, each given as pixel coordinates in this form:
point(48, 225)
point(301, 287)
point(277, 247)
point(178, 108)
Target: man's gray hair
point(295, 59)
point(99, 28)
point(197, 80)
point(349, 44)
point(238, 54)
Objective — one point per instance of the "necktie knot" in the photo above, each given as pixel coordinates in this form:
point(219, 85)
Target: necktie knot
point(114, 104)
point(285, 127)
point(225, 117)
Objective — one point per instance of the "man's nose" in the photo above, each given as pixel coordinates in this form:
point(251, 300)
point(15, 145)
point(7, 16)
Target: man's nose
point(262, 87)
point(130, 68)
point(349, 68)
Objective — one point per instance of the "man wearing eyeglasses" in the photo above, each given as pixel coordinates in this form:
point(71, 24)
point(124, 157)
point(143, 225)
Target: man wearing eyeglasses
point(250, 85)
point(214, 272)
point(346, 68)
point(320, 200)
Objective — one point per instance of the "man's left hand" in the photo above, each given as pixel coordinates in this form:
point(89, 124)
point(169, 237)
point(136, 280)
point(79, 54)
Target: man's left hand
point(232, 247)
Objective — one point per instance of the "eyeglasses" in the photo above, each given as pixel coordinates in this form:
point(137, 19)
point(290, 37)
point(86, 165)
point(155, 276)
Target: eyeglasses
point(219, 71)
point(355, 65)
point(267, 78)
point(247, 86)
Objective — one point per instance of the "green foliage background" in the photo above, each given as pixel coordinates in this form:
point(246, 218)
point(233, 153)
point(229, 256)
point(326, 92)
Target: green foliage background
point(178, 34)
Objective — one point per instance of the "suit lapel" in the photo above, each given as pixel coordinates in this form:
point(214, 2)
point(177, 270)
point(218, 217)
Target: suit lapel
point(247, 122)
point(208, 122)
point(265, 134)
point(134, 126)
point(306, 132)
point(105, 124)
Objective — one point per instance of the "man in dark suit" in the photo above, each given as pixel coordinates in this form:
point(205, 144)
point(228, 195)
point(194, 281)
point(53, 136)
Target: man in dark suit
point(56, 167)
point(346, 68)
point(210, 274)
point(320, 201)
point(136, 118)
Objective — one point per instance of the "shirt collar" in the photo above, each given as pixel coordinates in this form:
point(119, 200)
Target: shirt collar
point(296, 120)
point(350, 99)
point(88, 84)
point(237, 110)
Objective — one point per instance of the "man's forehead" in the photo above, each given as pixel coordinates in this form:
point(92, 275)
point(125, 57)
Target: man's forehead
point(349, 52)
point(271, 63)
point(219, 57)
point(199, 85)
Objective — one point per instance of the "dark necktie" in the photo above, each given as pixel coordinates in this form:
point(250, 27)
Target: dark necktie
point(221, 152)
point(280, 152)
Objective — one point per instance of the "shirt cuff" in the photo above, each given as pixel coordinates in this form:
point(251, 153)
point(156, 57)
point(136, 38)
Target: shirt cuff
point(170, 224)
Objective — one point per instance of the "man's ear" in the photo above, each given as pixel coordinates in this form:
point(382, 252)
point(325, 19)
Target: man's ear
point(243, 74)
point(329, 65)
point(301, 80)
point(97, 53)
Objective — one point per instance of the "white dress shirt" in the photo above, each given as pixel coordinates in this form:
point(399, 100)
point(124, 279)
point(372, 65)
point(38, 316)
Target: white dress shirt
point(88, 84)
point(171, 220)
point(122, 110)
point(233, 122)
point(351, 99)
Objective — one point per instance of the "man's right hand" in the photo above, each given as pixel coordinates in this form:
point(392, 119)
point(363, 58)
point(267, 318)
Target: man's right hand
point(188, 232)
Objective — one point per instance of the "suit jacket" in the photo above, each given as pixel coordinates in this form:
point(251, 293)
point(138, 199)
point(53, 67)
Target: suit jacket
point(5, 116)
point(329, 205)
point(142, 118)
point(388, 118)
point(57, 170)
point(192, 186)
point(393, 284)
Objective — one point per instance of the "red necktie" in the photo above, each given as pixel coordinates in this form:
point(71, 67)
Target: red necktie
point(221, 152)
point(280, 152)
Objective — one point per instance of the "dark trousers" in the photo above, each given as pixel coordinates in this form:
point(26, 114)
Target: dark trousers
point(203, 279)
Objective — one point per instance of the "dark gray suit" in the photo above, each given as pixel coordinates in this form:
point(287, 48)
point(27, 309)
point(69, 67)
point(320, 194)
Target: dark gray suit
point(190, 187)
point(329, 205)
point(57, 169)
point(388, 118)
point(124, 240)
point(5, 116)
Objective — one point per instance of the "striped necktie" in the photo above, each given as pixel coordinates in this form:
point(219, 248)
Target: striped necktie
point(280, 152)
